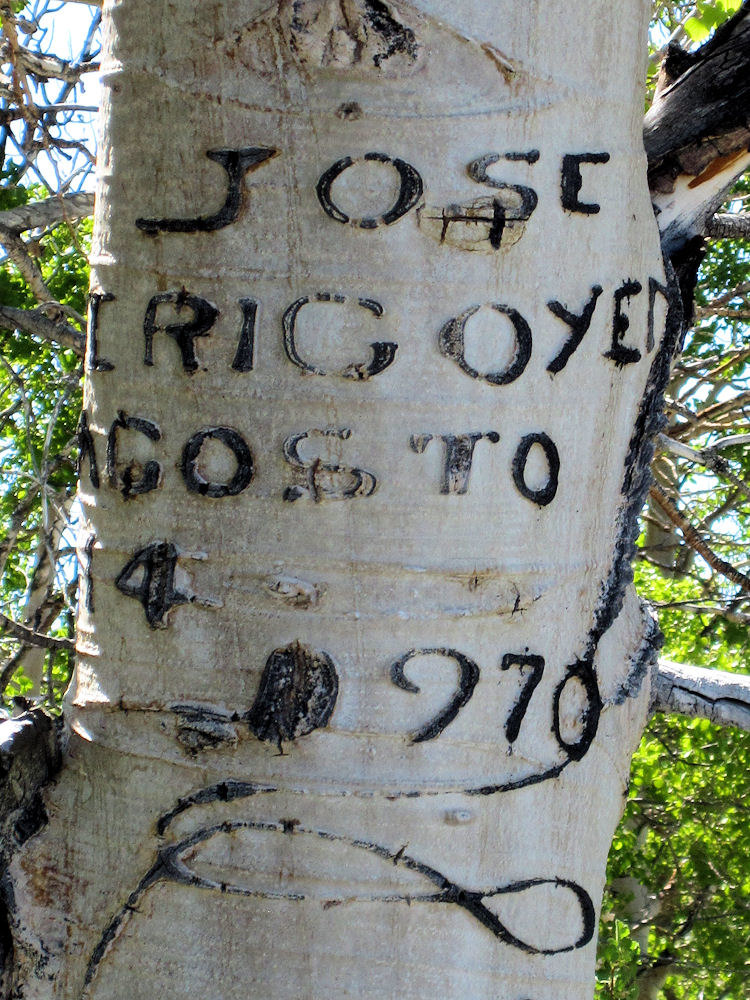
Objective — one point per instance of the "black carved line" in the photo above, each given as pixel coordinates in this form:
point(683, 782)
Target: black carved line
point(618, 352)
point(86, 450)
point(547, 493)
point(236, 163)
point(244, 356)
point(236, 444)
point(93, 362)
point(518, 712)
point(532, 156)
point(467, 681)
point(572, 181)
point(410, 191)
point(654, 288)
point(223, 791)
point(579, 326)
point(88, 552)
point(170, 866)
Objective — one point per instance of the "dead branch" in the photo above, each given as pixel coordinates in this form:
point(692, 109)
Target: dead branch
point(716, 695)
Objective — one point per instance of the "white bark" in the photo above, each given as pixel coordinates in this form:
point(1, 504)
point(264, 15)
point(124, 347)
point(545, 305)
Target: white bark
point(717, 695)
point(414, 837)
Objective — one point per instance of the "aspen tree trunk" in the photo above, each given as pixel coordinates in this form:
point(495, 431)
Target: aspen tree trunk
point(379, 331)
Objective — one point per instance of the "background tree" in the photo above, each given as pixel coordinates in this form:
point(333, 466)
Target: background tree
point(674, 920)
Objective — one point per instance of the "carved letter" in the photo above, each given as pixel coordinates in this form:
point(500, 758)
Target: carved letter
point(236, 444)
point(517, 713)
point(410, 191)
point(578, 327)
point(572, 181)
point(451, 342)
point(467, 681)
point(459, 455)
point(546, 494)
point(93, 362)
point(204, 317)
point(509, 209)
point(582, 672)
point(236, 163)
point(320, 481)
point(383, 352)
point(86, 450)
point(123, 479)
point(618, 352)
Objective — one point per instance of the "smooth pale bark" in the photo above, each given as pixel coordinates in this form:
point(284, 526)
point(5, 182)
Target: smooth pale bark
point(306, 754)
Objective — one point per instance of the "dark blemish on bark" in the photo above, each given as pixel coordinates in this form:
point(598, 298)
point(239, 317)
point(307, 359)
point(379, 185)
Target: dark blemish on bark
point(236, 163)
point(132, 480)
point(232, 440)
point(410, 191)
point(200, 728)
point(7, 950)
point(572, 181)
point(88, 576)
point(458, 456)
point(547, 493)
point(289, 825)
point(637, 468)
point(645, 657)
point(517, 713)
point(244, 357)
point(467, 681)
point(86, 450)
point(383, 352)
point(451, 344)
point(398, 38)
point(297, 694)
point(654, 288)
point(618, 352)
point(184, 334)
point(349, 111)
point(156, 590)
point(579, 325)
point(583, 672)
point(33, 819)
point(320, 481)
point(93, 362)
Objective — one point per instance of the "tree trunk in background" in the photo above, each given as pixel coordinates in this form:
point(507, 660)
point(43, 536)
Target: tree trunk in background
point(377, 349)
